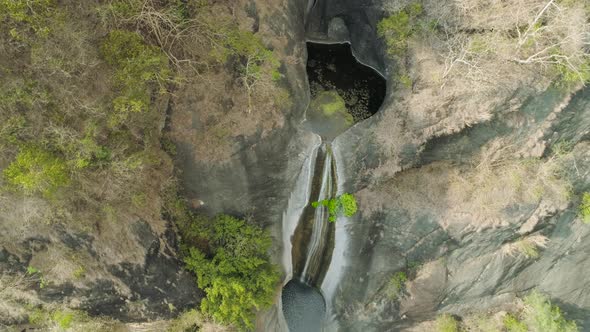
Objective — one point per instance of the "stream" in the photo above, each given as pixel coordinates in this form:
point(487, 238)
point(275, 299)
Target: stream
point(343, 92)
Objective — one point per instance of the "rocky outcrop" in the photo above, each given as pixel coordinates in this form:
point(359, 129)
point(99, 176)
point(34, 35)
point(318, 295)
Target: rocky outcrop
point(414, 167)
point(252, 175)
point(440, 172)
point(248, 168)
point(144, 285)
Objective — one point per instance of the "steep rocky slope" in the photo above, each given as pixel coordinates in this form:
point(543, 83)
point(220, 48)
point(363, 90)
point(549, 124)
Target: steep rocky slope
point(468, 179)
point(98, 243)
point(455, 175)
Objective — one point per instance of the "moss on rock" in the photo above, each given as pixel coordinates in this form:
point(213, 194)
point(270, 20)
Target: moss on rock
point(332, 105)
point(328, 114)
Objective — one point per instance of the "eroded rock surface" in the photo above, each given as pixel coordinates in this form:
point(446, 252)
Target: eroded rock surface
point(445, 191)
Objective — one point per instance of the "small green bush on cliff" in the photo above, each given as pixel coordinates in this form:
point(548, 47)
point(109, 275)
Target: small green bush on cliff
point(35, 170)
point(585, 208)
point(447, 323)
point(512, 324)
point(234, 271)
point(396, 285)
point(569, 75)
point(541, 315)
point(256, 64)
point(538, 315)
point(398, 28)
point(139, 68)
point(344, 204)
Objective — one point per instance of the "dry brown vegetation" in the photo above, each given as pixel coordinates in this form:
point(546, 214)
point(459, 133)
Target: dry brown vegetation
point(527, 247)
point(484, 40)
point(472, 60)
point(65, 67)
point(215, 107)
point(57, 94)
point(475, 196)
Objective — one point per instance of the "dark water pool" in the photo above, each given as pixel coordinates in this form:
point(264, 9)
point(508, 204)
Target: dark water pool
point(343, 91)
point(333, 67)
point(303, 307)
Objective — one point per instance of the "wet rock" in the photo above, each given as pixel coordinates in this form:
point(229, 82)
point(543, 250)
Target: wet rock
point(303, 306)
point(337, 29)
point(464, 269)
point(327, 115)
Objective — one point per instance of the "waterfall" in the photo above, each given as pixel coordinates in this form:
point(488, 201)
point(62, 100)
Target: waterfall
point(337, 265)
point(317, 242)
point(298, 200)
point(310, 242)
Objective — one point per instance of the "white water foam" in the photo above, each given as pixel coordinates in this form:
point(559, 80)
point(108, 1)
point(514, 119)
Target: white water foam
point(297, 201)
point(338, 262)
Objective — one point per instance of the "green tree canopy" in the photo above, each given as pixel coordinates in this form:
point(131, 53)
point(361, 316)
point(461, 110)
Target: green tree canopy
point(137, 66)
point(35, 170)
point(235, 273)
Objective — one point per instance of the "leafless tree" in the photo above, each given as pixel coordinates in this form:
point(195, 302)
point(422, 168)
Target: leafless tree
point(557, 36)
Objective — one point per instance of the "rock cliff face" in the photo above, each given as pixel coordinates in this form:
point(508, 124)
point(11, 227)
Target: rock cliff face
point(455, 176)
point(128, 271)
point(418, 168)
point(250, 170)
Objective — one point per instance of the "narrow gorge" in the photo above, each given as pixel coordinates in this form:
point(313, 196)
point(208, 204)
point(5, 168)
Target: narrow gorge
point(295, 165)
point(343, 92)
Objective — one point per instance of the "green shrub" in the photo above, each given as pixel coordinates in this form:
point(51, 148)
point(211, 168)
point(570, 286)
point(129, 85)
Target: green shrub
point(79, 272)
point(120, 10)
point(512, 324)
point(406, 81)
point(398, 28)
point(348, 203)
point(344, 204)
point(187, 321)
point(35, 272)
point(20, 17)
point(37, 316)
point(60, 319)
point(37, 171)
point(235, 272)
point(540, 315)
point(12, 129)
point(63, 319)
point(447, 323)
point(256, 64)
point(86, 153)
point(139, 199)
point(396, 284)
point(528, 249)
point(23, 96)
point(567, 76)
point(584, 208)
point(31, 270)
point(138, 67)
point(245, 46)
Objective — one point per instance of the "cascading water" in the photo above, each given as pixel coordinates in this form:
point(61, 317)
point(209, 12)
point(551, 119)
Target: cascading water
point(299, 199)
point(317, 244)
point(304, 306)
point(343, 92)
